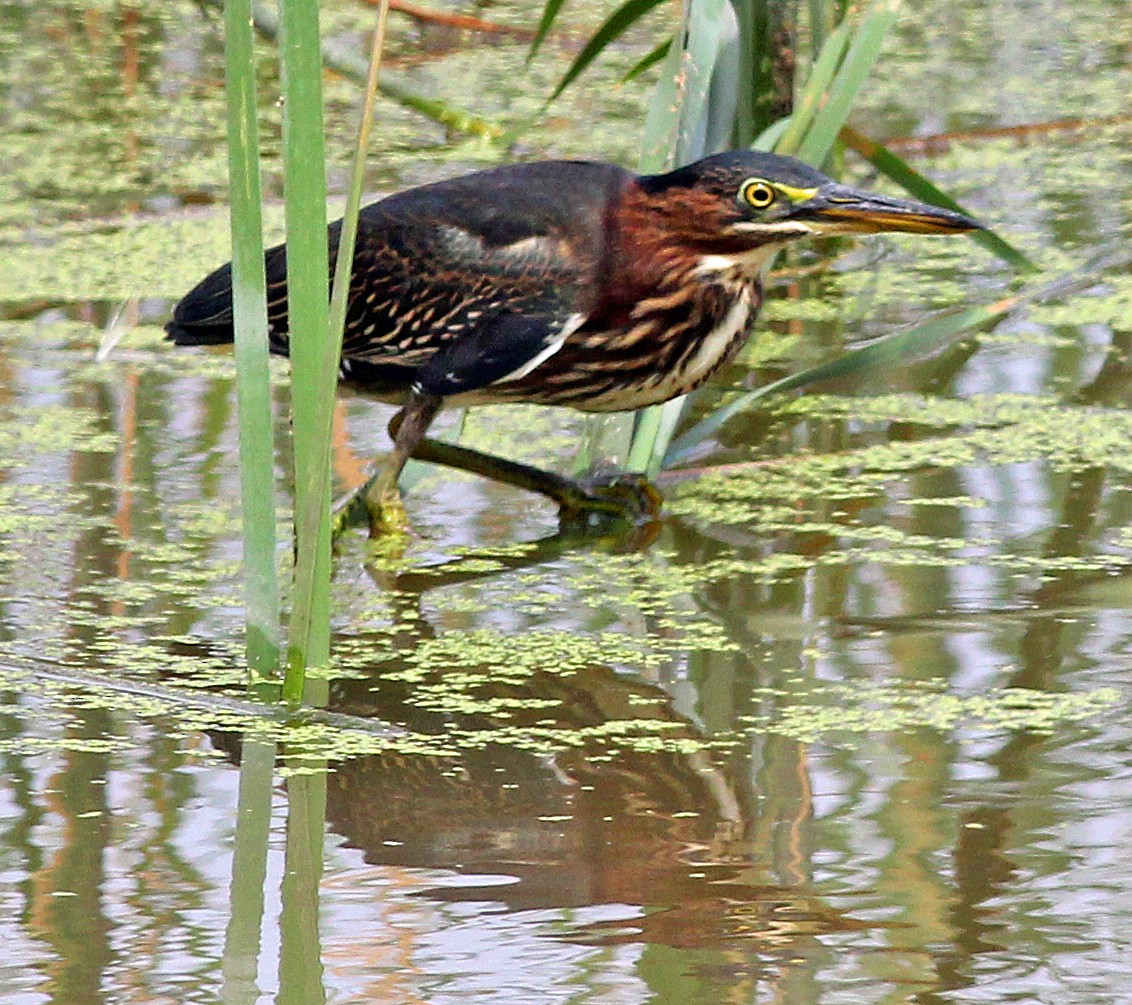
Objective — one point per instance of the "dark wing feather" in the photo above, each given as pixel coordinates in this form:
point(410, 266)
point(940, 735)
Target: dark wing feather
point(204, 315)
point(453, 261)
point(504, 348)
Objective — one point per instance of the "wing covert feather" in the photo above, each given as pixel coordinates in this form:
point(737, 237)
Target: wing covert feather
point(438, 263)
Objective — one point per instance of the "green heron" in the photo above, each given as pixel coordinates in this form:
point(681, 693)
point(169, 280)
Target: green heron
point(561, 283)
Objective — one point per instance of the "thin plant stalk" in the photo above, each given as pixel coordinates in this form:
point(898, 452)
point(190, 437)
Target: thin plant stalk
point(343, 266)
point(253, 388)
point(308, 310)
point(816, 91)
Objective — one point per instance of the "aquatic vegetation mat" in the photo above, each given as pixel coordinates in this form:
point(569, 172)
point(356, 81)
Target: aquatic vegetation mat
point(53, 702)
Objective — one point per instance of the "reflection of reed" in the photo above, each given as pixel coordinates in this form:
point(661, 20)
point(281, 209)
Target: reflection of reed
point(123, 517)
point(300, 950)
point(65, 907)
point(249, 873)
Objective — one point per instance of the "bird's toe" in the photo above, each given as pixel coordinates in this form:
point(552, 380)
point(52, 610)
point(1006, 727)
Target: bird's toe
point(628, 496)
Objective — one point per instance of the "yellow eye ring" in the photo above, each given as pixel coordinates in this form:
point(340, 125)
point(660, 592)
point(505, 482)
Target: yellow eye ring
point(757, 193)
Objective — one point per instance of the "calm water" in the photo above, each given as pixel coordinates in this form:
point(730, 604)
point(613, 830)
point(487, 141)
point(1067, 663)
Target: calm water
point(852, 729)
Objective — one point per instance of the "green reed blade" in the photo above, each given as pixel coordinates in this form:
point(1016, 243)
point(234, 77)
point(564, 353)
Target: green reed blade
point(545, 23)
point(646, 62)
point(653, 434)
point(674, 126)
point(768, 139)
point(901, 172)
point(899, 346)
point(868, 38)
point(721, 103)
point(314, 523)
point(658, 138)
point(885, 352)
point(308, 307)
point(628, 14)
point(815, 93)
point(746, 117)
point(253, 385)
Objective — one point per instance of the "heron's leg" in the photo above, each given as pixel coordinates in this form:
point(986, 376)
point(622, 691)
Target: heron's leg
point(620, 495)
point(379, 496)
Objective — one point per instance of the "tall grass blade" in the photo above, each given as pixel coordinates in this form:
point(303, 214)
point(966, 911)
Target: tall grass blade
point(674, 131)
point(815, 93)
point(628, 14)
point(545, 23)
point(885, 352)
point(253, 387)
point(648, 61)
point(746, 127)
point(721, 105)
point(655, 428)
point(658, 138)
point(901, 172)
point(308, 299)
point(768, 139)
point(899, 346)
point(868, 38)
point(314, 523)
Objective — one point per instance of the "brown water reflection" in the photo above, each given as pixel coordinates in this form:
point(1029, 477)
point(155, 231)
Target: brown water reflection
point(653, 831)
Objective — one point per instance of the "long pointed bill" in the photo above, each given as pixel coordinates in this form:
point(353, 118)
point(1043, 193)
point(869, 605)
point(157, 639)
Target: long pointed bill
point(837, 209)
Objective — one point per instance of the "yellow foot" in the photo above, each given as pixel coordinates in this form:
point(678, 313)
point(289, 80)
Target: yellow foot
point(627, 496)
point(384, 515)
point(387, 515)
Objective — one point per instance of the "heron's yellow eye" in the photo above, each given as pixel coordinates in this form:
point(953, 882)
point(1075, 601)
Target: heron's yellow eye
point(757, 193)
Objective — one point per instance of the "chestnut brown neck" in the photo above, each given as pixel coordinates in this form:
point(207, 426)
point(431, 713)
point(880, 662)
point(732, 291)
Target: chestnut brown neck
point(656, 244)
